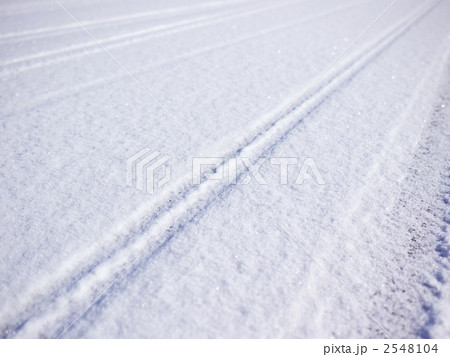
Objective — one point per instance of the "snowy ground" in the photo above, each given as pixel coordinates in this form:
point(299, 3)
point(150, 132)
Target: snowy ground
point(85, 85)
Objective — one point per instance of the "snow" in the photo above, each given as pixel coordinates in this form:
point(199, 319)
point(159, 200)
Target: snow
point(364, 255)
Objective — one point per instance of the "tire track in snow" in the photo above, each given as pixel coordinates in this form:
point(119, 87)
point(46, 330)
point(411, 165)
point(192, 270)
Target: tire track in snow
point(399, 145)
point(72, 52)
point(49, 31)
point(77, 285)
point(386, 157)
point(114, 38)
point(44, 99)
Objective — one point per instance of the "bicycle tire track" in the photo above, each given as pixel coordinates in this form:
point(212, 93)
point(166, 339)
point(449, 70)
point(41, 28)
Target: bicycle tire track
point(19, 36)
point(45, 99)
point(75, 52)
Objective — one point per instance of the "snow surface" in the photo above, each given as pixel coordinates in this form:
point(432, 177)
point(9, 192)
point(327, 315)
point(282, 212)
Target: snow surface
point(364, 255)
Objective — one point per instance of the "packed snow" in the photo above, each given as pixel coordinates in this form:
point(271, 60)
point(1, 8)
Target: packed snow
point(323, 207)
